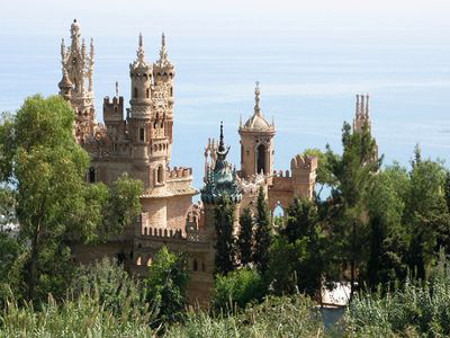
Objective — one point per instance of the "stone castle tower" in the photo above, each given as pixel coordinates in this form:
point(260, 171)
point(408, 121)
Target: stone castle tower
point(77, 84)
point(362, 118)
point(257, 142)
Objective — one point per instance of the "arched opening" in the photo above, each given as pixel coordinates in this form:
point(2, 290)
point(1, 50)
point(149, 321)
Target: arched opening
point(278, 216)
point(261, 159)
point(92, 177)
point(139, 261)
point(135, 92)
point(149, 261)
point(195, 265)
point(160, 174)
point(148, 93)
point(142, 134)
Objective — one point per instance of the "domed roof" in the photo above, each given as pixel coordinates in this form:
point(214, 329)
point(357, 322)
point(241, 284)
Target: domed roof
point(257, 121)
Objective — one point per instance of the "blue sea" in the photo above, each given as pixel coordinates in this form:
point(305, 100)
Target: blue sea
point(310, 64)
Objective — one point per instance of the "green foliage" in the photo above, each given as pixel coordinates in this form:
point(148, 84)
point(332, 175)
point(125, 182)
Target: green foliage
point(238, 288)
point(387, 234)
point(52, 202)
point(413, 310)
point(166, 286)
point(225, 241)
point(275, 317)
point(110, 284)
point(82, 317)
point(245, 241)
point(324, 173)
point(263, 233)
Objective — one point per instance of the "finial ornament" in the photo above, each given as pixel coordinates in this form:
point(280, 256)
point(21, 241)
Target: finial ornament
point(117, 88)
point(140, 51)
point(221, 143)
point(257, 99)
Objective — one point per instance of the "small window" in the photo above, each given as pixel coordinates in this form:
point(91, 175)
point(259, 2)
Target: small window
point(142, 134)
point(135, 92)
point(160, 174)
point(92, 177)
point(148, 93)
point(195, 267)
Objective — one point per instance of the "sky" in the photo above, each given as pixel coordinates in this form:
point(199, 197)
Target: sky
point(311, 57)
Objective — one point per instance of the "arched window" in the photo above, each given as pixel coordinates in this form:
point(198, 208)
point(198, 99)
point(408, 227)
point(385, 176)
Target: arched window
point(195, 265)
point(261, 159)
point(92, 177)
point(142, 134)
point(148, 93)
point(160, 174)
point(135, 92)
point(171, 91)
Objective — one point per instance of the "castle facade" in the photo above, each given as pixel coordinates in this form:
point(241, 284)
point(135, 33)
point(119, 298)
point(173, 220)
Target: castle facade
point(138, 140)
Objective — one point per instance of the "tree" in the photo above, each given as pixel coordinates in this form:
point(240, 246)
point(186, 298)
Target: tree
point(166, 285)
point(263, 235)
point(245, 241)
point(351, 173)
point(426, 213)
point(42, 162)
point(225, 241)
point(388, 241)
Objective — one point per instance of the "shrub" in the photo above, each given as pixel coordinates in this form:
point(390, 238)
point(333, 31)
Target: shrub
point(238, 288)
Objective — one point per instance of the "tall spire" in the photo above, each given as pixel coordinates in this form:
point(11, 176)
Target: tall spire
point(163, 54)
point(257, 99)
point(140, 51)
point(221, 143)
point(117, 88)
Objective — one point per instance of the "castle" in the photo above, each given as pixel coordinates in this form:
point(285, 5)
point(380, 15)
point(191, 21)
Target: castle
point(140, 144)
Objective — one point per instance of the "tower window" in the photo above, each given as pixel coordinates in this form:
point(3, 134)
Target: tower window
point(142, 134)
point(171, 91)
point(261, 159)
point(135, 92)
point(148, 93)
point(160, 174)
point(195, 267)
point(92, 175)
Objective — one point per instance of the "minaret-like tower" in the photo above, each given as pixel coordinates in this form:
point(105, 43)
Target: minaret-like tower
point(164, 75)
point(77, 84)
point(257, 142)
point(362, 118)
point(147, 120)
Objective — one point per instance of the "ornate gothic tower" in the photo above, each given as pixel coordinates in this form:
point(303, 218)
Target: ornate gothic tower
point(362, 118)
point(164, 75)
point(257, 142)
point(77, 85)
point(149, 129)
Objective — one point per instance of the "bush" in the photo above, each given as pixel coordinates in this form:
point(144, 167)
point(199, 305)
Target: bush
point(238, 288)
point(107, 282)
point(275, 317)
point(415, 309)
point(82, 317)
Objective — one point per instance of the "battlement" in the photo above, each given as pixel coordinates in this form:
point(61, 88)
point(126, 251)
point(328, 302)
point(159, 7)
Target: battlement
point(113, 108)
point(281, 174)
point(181, 172)
point(308, 163)
point(161, 233)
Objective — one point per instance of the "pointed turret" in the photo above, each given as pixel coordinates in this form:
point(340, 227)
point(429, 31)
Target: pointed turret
point(164, 69)
point(141, 74)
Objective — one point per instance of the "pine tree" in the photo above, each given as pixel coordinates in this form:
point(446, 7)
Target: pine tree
point(263, 236)
point(225, 243)
point(246, 237)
